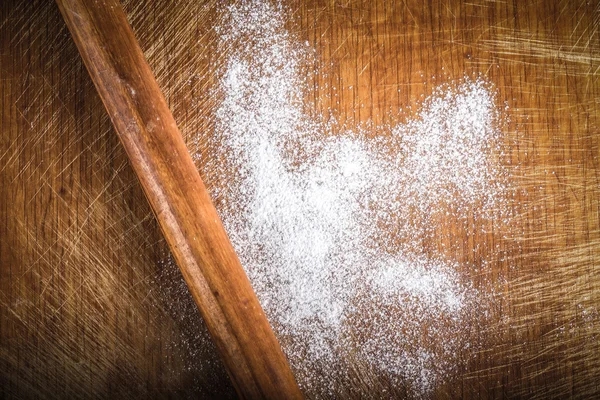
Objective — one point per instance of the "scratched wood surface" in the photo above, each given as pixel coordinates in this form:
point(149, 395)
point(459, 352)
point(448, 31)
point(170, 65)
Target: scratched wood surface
point(92, 306)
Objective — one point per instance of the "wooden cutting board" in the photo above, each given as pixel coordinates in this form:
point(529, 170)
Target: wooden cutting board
point(91, 304)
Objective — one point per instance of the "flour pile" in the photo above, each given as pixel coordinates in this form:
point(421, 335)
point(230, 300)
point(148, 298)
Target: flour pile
point(329, 227)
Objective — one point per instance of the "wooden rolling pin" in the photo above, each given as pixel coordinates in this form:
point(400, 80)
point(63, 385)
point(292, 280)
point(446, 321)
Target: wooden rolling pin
point(181, 203)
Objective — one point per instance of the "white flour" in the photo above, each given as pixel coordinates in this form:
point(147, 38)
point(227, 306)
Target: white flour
point(329, 227)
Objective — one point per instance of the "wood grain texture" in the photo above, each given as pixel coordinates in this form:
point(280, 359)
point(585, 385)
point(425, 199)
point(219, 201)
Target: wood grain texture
point(192, 228)
point(86, 285)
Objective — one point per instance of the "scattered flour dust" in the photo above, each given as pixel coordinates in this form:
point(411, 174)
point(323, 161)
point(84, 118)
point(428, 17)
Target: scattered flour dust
point(305, 210)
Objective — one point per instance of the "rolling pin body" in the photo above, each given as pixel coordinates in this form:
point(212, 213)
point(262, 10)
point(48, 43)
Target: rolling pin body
point(179, 199)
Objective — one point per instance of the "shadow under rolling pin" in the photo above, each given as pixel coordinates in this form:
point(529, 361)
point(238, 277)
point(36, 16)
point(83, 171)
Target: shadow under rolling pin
point(189, 221)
